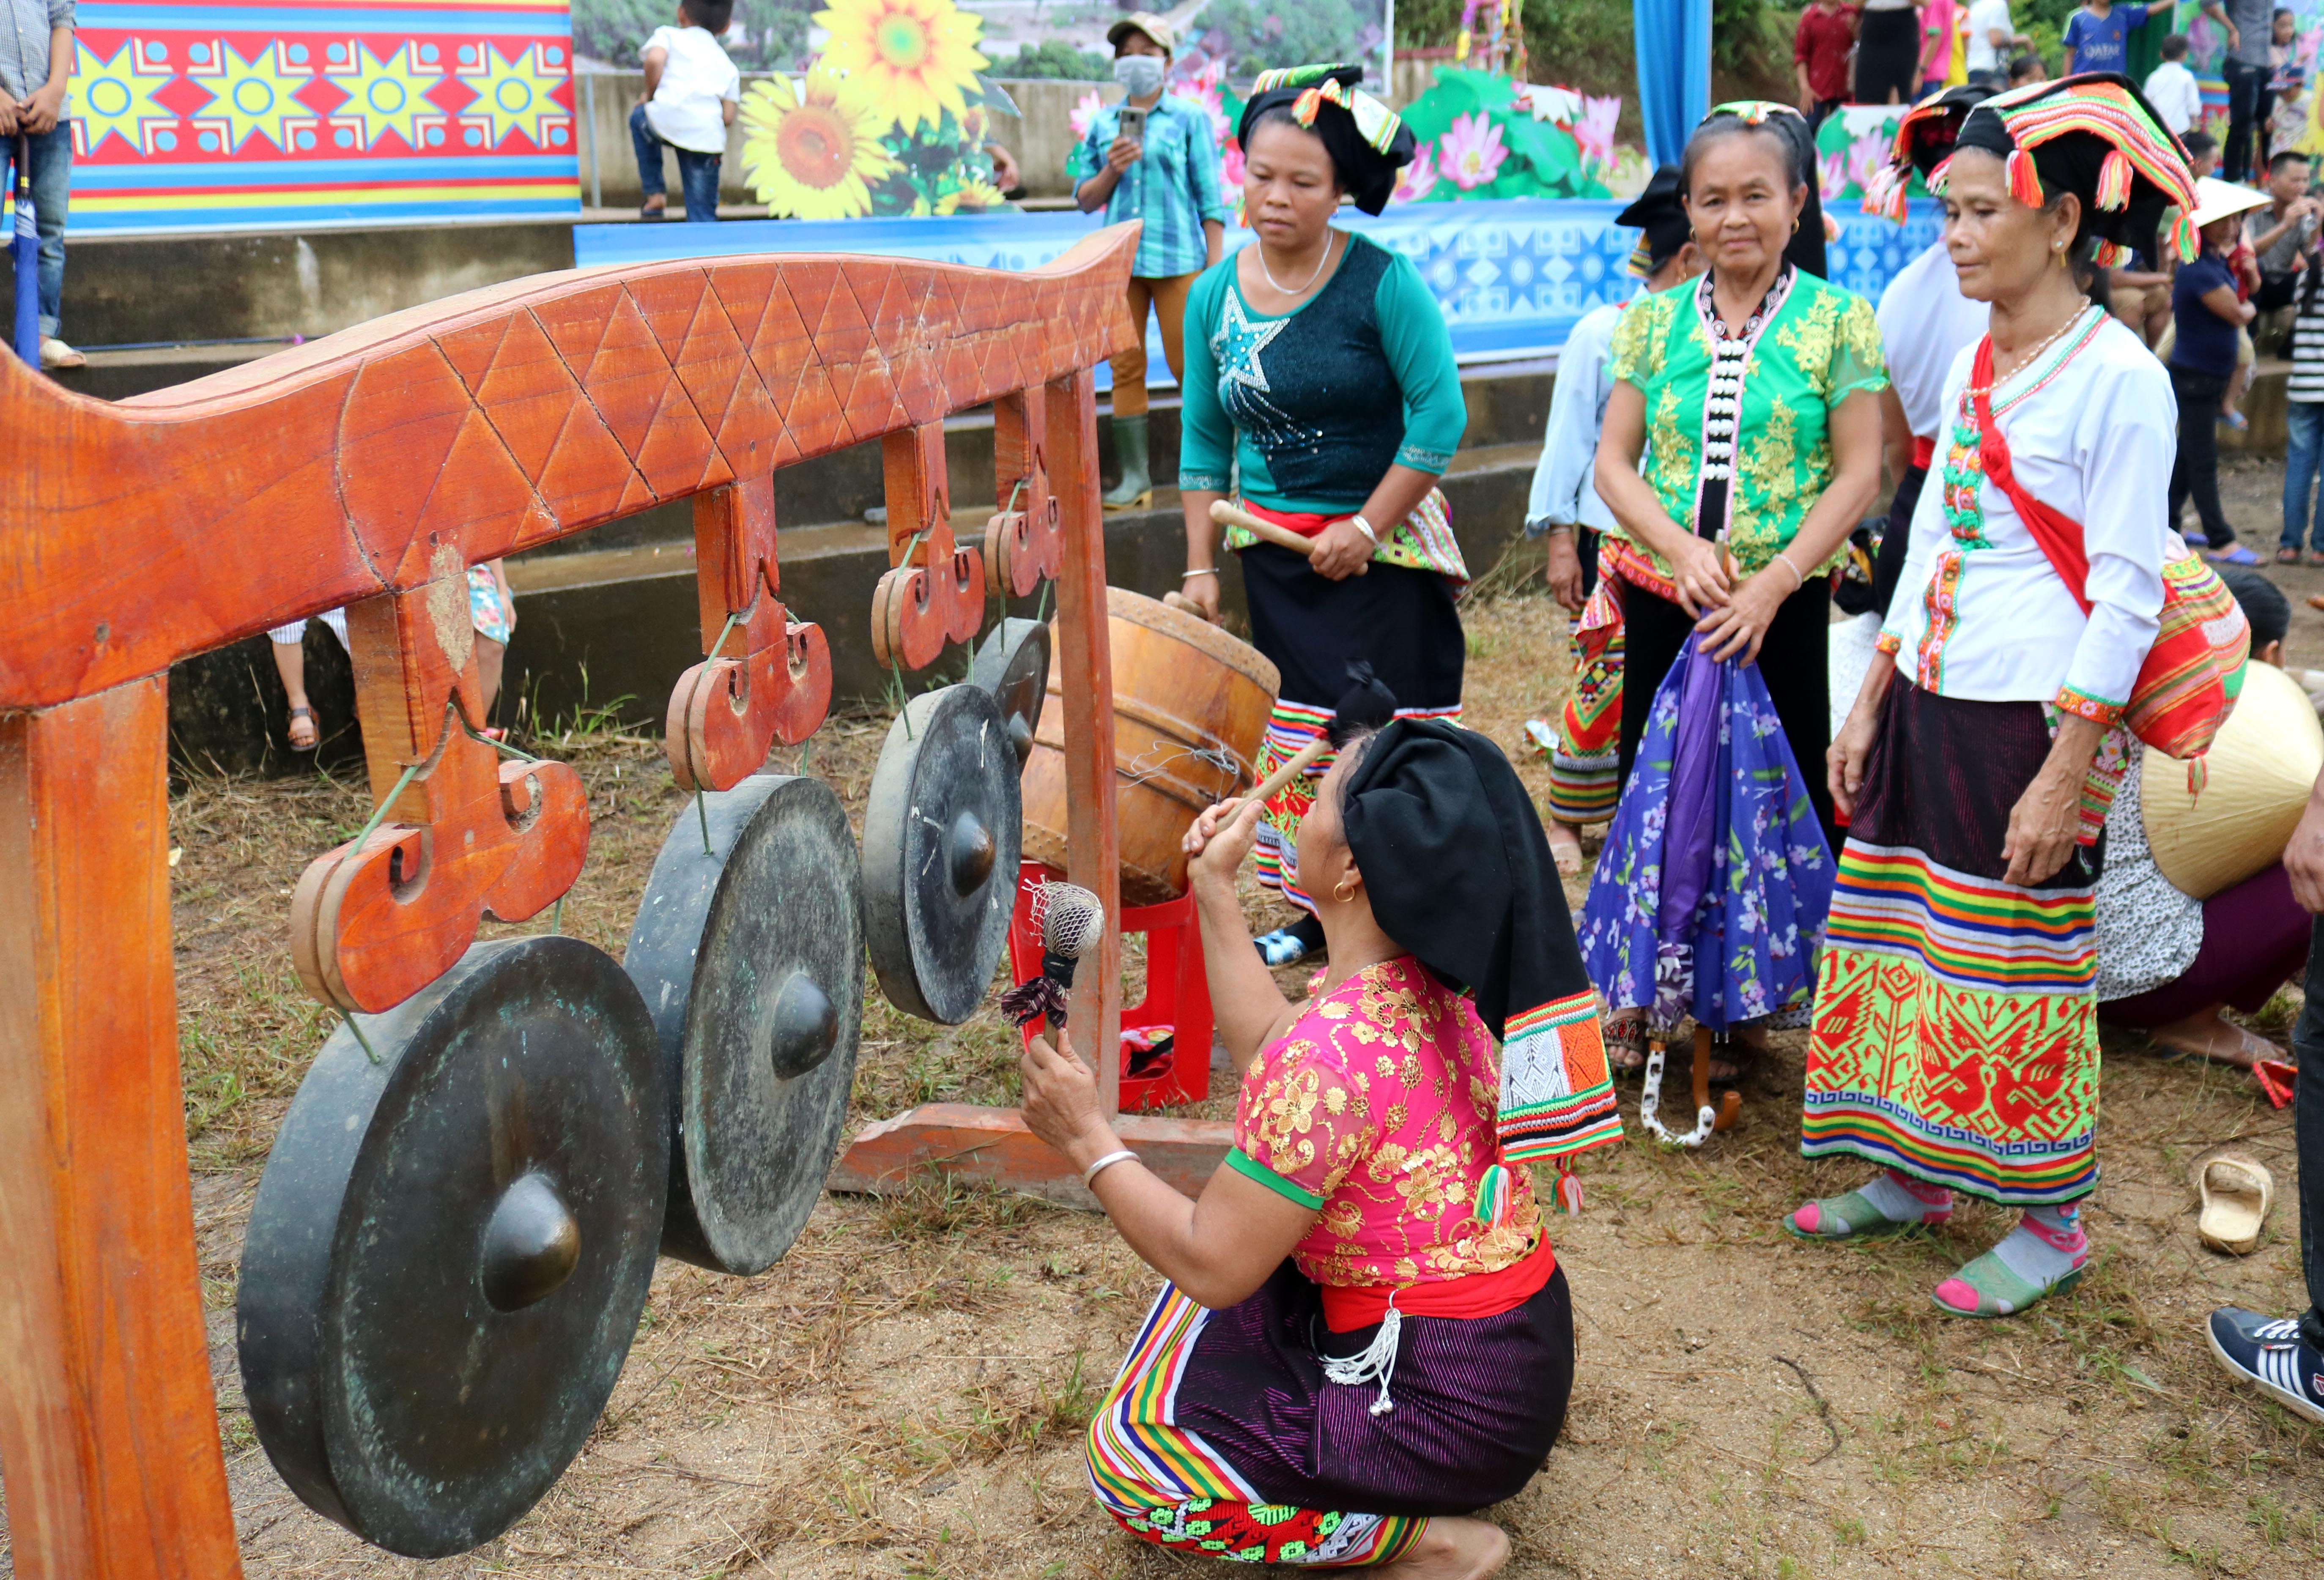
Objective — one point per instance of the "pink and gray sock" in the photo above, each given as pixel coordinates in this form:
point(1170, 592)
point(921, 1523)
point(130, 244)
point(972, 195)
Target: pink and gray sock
point(1892, 1201)
point(2045, 1253)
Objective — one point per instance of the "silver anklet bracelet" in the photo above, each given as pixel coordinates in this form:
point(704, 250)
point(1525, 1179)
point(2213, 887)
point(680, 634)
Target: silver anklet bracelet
point(1105, 1163)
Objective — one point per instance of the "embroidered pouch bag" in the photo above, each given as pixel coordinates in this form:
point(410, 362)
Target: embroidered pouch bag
point(2189, 683)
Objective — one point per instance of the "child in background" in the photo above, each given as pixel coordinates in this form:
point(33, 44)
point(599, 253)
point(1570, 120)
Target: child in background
point(2209, 315)
point(2287, 124)
point(1942, 38)
point(2243, 263)
point(2202, 154)
point(692, 94)
point(2098, 37)
point(2173, 90)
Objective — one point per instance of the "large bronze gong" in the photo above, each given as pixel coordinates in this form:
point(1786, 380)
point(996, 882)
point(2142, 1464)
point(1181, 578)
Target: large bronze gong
point(1013, 664)
point(451, 1245)
point(940, 842)
point(750, 961)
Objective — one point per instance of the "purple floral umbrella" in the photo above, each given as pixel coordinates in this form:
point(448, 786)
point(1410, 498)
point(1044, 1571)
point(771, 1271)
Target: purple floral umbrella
point(1711, 894)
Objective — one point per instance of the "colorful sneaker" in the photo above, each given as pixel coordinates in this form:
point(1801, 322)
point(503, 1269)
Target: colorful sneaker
point(2270, 1354)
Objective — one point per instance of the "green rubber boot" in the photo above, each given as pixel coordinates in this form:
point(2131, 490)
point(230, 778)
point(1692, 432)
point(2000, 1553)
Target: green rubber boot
point(1135, 492)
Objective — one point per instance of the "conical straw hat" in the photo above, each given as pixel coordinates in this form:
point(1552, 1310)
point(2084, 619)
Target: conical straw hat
point(2255, 779)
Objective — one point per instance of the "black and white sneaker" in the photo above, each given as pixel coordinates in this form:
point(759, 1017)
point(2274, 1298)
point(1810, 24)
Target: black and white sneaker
point(2269, 1353)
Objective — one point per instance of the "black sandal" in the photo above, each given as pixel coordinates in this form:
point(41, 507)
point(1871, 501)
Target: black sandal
point(1626, 1048)
point(308, 715)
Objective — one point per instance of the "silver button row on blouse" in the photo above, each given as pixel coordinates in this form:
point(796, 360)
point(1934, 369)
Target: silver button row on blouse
point(1720, 408)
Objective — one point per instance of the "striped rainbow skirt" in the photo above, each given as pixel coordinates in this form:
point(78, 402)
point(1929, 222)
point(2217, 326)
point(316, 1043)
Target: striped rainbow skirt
point(1956, 1033)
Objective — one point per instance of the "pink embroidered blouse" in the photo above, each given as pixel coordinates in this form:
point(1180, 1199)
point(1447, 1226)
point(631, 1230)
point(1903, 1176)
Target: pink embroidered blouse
point(1377, 1108)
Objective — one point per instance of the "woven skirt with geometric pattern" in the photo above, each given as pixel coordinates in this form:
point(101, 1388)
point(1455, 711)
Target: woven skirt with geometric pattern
point(1955, 1036)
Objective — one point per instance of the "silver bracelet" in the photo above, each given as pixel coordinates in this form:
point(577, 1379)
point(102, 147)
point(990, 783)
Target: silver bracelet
point(1205, 571)
point(1105, 1163)
point(1365, 528)
point(1798, 580)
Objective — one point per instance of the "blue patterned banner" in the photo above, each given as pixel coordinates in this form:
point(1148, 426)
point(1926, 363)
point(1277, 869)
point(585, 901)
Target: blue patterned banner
point(1511, 274)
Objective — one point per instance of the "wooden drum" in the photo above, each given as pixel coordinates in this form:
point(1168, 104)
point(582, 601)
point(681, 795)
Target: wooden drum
point(1190, 708)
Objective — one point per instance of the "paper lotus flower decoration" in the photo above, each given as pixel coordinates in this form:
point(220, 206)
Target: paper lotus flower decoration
point(1085, 110)
point(1471, 150)
point(1594, 129)
point(1547, 102)
point(1418, 179)
point(811, 147)
point(917, 59)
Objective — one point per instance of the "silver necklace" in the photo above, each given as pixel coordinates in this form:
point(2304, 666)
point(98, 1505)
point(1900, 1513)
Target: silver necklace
point(2047, 341)
point(1280, 289)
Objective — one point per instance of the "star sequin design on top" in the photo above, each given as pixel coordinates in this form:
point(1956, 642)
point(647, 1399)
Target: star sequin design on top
point(1243, 388)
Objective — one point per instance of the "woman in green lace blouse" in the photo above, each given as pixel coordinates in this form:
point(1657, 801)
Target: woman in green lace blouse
point(1742, 441)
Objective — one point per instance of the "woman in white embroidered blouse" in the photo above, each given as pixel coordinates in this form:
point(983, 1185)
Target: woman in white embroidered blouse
point(1955, 1042)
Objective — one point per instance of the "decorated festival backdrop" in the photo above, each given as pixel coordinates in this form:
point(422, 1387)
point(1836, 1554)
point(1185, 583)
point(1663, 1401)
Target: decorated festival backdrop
point(304, 114)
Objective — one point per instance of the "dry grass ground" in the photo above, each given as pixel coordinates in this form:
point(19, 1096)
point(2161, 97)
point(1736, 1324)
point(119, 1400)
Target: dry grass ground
point(903, 1394)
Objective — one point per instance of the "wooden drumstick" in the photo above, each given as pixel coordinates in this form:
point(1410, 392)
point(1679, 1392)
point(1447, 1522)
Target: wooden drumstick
point(1227, 515)
point(1301, 761)
point(1174, 599)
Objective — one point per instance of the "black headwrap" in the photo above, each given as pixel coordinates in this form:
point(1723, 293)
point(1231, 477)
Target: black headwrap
point(2096, 136)
point(1661, 213)
point(1459, 873)
point(1368, 141)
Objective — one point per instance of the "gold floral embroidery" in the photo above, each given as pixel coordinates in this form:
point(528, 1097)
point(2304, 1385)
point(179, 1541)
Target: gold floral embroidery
point(1808, 335)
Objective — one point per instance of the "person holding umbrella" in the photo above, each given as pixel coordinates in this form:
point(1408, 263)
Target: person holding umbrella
point(1742, 445)
point(1955, 1043)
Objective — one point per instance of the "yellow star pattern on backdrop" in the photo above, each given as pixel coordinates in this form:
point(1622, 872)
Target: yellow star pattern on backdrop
point(114, 98)
point(513, 96)
point(388, 93)
point(253, 97)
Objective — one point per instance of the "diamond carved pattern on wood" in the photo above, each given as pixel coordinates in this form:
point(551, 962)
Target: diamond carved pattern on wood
point(141, 532)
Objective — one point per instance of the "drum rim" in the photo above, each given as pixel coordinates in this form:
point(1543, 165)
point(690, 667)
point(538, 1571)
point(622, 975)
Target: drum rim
point(1228, 648)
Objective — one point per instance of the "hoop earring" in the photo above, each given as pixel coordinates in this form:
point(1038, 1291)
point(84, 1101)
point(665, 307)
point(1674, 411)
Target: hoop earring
point(1343, 891)
point(1795, 227)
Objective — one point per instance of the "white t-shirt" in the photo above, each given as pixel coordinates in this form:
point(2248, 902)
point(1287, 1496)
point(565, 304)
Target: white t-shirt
point(1925, 323)
point(2178, 101)
point(1984, 18)
point(695, 81)
point(2092, 431)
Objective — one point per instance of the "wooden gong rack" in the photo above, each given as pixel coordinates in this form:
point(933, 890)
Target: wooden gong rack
point(369, 470)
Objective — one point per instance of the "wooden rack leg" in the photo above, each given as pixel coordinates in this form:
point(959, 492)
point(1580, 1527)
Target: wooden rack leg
point(1093, 841)
point(108, 1426)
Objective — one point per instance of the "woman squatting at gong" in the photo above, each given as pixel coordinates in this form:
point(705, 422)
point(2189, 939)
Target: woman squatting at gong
point(1318, 369)
point(1742, 446)
point(1363, 1336)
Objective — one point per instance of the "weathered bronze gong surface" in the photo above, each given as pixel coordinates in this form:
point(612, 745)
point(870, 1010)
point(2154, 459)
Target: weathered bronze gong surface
point(451, 1245)
point(749, 958)
point(941, 835)
point(1012, 663)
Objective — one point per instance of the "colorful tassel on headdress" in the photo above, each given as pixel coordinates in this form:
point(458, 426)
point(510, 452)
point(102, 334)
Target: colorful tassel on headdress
point(2114, 180)
point(1492, 1196)
point(1642, 260)
point(2108, 254)
point(1883, 194)
point(1569, 1187)
point(1303, 107)
point(2025, 181)
point(2184, 239)
point(1939, 174)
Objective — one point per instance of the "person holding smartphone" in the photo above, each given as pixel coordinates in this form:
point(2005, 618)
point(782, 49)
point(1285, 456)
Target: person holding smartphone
point(1151, 157)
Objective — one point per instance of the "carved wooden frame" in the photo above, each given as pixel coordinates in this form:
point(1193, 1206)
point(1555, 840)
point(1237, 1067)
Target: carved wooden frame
point(368, 470)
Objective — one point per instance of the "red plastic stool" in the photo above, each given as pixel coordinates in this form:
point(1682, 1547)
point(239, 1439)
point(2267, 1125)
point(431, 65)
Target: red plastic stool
point(1177, 1002)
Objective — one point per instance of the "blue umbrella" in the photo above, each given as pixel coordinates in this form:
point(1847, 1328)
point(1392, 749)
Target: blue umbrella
point(27, 262)
point(1710, 894)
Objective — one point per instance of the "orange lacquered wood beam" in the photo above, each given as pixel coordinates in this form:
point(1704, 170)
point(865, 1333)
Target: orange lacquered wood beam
point(992, 1146)
point(108, 1428)
point(1084, 655)
point(135, 534)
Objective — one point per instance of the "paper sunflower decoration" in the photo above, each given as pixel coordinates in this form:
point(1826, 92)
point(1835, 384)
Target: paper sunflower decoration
point(811, 148)
point(917, 57)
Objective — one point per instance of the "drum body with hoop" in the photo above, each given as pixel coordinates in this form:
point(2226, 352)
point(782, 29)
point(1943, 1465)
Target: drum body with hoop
point(1190, 709)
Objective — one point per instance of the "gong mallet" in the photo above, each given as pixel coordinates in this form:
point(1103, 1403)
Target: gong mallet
point(1071, 920)
point(1366, 704)
point(1227, 515)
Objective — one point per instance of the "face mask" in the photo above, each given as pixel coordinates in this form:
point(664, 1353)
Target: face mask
point(1139, 74)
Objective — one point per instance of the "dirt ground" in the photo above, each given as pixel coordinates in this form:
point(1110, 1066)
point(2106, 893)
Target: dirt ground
point(903, 1395)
